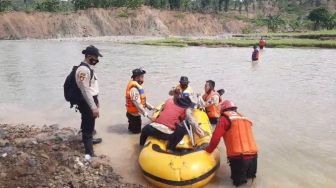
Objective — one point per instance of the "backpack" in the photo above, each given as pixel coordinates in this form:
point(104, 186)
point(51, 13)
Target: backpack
point(72, 93)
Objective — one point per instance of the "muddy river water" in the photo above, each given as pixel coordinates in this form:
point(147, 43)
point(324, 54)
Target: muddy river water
point(290, 95)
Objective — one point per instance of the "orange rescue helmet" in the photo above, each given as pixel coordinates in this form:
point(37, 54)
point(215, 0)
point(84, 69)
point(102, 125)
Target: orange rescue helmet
point(228, 104)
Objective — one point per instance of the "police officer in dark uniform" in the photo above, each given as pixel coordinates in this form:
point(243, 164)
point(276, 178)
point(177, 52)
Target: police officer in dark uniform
point(87, 82)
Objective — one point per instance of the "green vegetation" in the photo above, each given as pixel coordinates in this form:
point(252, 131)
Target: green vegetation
point(85, 4)
point(49, 6)
point(293, 15)
point(123, 14)
point(5, 5)
point(322, 17)
point(311, 40)
point(321, 35)
point(294, 24)
point(287, 6)
point(273, 22)
point(281, 43)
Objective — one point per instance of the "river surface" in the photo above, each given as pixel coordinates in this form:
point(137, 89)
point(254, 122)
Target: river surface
point(290, 95)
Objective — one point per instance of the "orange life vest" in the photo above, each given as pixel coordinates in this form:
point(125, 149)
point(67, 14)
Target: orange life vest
point(131, 108)
point(213, 110)
point(171, 114)
point(239, 138)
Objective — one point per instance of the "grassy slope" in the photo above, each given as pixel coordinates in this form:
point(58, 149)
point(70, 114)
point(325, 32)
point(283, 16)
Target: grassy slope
point(312, 39)
point(306, 35)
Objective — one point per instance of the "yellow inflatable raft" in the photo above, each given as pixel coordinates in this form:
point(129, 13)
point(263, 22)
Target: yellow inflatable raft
point(191, 167)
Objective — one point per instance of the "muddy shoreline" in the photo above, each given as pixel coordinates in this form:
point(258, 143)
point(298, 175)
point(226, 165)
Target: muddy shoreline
point(50, 156)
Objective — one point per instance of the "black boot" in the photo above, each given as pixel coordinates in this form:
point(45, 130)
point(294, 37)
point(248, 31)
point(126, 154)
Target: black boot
point(237, 184)
point(97, 141)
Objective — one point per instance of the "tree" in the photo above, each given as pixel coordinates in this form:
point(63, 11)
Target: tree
point(175, 4)
point(205, 4)
point(133, 4)
point(220, 5)
point(320, 17)
point(155, 3)
point(273, 22)
point(331, 23)
point(294, 24)
point(186, 5)
point(49, 6)
point(5, 5)
point(226, 5)
point(82, 4)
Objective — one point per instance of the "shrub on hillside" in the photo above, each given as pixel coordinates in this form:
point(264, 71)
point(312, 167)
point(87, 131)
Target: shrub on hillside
point(5, 5)
point(160, 4)
point(294, 24)
point(49, 6)
point(322, 18)
point(273, 23)
point(133, 4)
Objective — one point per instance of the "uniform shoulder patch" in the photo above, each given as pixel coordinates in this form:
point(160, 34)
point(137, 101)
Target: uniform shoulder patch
point(82, 76)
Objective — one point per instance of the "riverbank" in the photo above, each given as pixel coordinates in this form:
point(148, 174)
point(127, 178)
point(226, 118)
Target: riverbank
point(97, 22)
point(323, 39)
point(49, 156)
point(321, 35)
point(282, 43)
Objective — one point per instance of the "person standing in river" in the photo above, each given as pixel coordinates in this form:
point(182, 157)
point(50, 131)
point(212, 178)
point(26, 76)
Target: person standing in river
point(262, 43)
point(87, 83)
point(241, 148)
point(185, 88)
point(136, 102)
point(255, 54)
point(210, 101)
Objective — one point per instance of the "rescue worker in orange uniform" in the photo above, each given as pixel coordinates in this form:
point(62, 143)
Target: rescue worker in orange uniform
point(241, 148)
point(262, 43)
point(210, 101)
point(136, 101)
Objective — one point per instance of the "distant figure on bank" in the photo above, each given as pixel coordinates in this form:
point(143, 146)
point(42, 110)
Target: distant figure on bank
point(81, 90)
point(262, 43)
point(185, 88)
point(210, 101)
point(241, 148)
point(136, 101)
point(255, 54)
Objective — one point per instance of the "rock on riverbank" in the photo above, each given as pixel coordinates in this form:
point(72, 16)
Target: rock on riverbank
point(50, 156)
